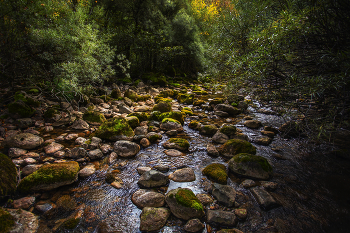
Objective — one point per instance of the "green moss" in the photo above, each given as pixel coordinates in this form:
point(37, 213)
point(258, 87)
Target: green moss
point(8, 176)
point(144, 97)
point(114, 127)
point(154, 116)
point(234, 104)
point(201, 92)
point(216, 101)
point(32, 102)
point(116, 93)
point(183, 143)
point(162, 107)
point(105, 97)
point(195, 88)
point(7, 221)
point(198, 102)
point(48, 174)
point(208, 130)
point(153, 138)
point(168, 93)
point(19, 96)
point(131, 95)
point(216, 172)
point(71, 223)
point(237, 146)
point(187, 111)
point(21, 108)
point(185, 98)
point(186, 197)
point(66, 202)
point(174, 115)
point(229, 130)
point(156, 78)
point(245, 158)
point(133, 121)
point(50, 112)
point(159, 99)
point(193, 124)
point(93, 116)
point(170, 120)
point(33, 91)
point(142, 116)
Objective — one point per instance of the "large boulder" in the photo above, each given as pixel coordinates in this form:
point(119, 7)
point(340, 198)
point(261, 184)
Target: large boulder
point(184, 204)
point(170, 124)
point(50, 176)
point(23, 221)
point(209, 130)
point(145, 198)
point(225, 194)
point(249, 165)
point(26, 141)
point(126, 149)
point(153, 219)
point(8, 176)
point(152, 178)
point(115, 129)
point(236, 146)
point(221, 218)
point(232, 111)
point(216, 172)
point(162, 107)
point(220, 138)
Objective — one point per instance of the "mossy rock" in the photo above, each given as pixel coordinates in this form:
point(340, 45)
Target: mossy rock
point(71, 223)
point(144, 97)
point(193, 124)
point(216, 172)
point(116, 93)
point(8, 176)
point(216, 101)
point(114, 127)
point(154, 116)
point(168, 93)
point(7, 221)
point(92, 116)
point(105, 98)
point(198, 102)
point(187, 111)
point(154, 137)
point(21, 108)
point(249, 165)
point(236, 146)
point(228, 129)
point(33, 91)
point(186, 197)
point(66, 202)
point(209, 130)
point(185, 98)
point(177, 143)
point(50, 113)
point(142, 116)
point(165, 120)
point(162, 107)
point(50, 176)
point(174, 115)
point(156, 79)
point(201, 92)
point(131, 94)
point(159, 99)
point(133, 121)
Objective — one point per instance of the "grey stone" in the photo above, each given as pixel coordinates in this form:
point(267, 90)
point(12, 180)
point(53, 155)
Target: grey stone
point(126, 149)
point(26, 141)
point(221, 218)
point(152, 178)
point(194, 225)
point(80, 124)
point(153, 219)
point(145, 198)
point(25, 221)
point(264, 198)
point(95, 154)
point(16, 152)
point(77, 153)
point(87, 171)
point(220, 137)
point(53, 147)
point(225, 194)
point(183, 175)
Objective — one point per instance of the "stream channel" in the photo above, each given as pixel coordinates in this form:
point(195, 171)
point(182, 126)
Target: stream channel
point(313, 188)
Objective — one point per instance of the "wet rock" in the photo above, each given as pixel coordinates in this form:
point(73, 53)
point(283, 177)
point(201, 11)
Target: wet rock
point(53, 147)
point(230, 231)
point(271, 129)
point(205, 199)
point(95, 143)
point(126, 149)
point(50, 176)
point(236, 146)
point(152, 178)
point(265, 141)
point(80, 140)
point(29, 161)
point(95, 154)
point(228, 129)
point(105, 148)
point(176, 143)
point(153, 219)
point(24, 221)
point(173, 153)
point(209, 130)
point(184, 204)
point(232, 111)
point(77, 153)
point(112, 157)
point(145, 142)
point(87, 171)
point(225, 194)
point(270, 186)
point(212, 151)
point(26, 141)
point(116, 185)
point(24, 123)
point(66, 203)
point(43, 208)
point(221, 218)
point(162, 107)
point(16, 152)
point(221, 114)
point(183, 175)
point(194, 225)
point(270, 134)
point(162, 167)
point(171, 133)
point(141, 130)
point(264, 199)
point(241, 213)
point(71, 137)
point(142, 170)
point(216, 172)
point(171, 125)
point(252, 124)
point(220, 138)
point(145, 198)
point(23, 203)
point(250, 166)
point(80, 125)
point(240, 136)
point(124, 109)
point(29, 169)
point(248, 183)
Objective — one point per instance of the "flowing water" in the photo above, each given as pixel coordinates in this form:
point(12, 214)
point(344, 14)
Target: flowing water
point(312, 188)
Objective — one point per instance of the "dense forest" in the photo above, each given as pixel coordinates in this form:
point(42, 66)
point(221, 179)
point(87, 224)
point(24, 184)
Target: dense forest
point(284, 51)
